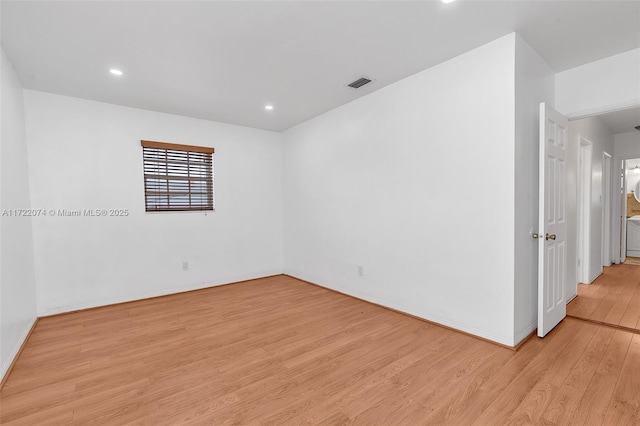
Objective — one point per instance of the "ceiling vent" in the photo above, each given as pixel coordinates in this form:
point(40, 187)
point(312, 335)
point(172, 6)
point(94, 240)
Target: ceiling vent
point(360, 82)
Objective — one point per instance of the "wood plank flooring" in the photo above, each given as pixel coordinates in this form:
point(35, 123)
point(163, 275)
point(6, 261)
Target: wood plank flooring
point(613, 298)
point(278, 351)
point(632, 261)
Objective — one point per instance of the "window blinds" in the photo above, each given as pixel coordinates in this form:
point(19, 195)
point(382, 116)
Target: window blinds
point(177, 177)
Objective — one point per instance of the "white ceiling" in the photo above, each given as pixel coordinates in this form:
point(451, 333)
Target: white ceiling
point(224, 61)
point(622, 121)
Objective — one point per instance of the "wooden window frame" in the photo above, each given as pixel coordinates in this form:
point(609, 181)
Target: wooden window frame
point(177, 177)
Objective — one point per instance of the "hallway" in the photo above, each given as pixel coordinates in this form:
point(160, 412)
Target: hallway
point(612, 299)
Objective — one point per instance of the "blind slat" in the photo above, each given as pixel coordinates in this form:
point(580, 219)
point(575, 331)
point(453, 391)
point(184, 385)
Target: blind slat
point(178, 177)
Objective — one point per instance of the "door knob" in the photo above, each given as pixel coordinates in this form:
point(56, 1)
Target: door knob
point(550, 237)
point(535, 235)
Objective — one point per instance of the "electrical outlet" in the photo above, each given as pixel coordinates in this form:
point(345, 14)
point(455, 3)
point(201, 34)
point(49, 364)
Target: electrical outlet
point(360, 270)
point(185, 265)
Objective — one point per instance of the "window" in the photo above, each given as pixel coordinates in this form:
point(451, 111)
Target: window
point(177, 177)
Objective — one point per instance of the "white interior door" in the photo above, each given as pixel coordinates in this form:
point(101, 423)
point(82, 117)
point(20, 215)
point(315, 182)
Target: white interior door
point(552, 225)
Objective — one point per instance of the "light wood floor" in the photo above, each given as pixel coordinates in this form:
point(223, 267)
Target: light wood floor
point(632, 261)
point(278, 351)
point(613, 298)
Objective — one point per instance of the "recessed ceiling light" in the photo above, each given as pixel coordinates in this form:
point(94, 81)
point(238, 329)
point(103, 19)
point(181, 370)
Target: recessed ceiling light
point(447, 1)
point(115, 71)
point(268, 107)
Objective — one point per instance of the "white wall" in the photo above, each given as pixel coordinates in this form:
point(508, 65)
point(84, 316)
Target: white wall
point(571, 206)
point(627, 145)
point(601, 137)
point(379, 183)
point(17, 282)
point(534, 84)
point(631, 181)
point(601, 86)
point(87, 155)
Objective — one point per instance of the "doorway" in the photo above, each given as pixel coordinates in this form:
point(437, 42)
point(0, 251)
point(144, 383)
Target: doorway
point(605, 178)
point(630, 212)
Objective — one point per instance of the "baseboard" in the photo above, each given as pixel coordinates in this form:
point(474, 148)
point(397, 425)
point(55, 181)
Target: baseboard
point(8, 365)
point(83, 306)
point(525, 335)
point(591, 280)
point(432, 319)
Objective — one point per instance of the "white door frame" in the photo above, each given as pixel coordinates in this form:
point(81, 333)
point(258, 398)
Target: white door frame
point(583, 206)
point(606, 209)
point(594, 112)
